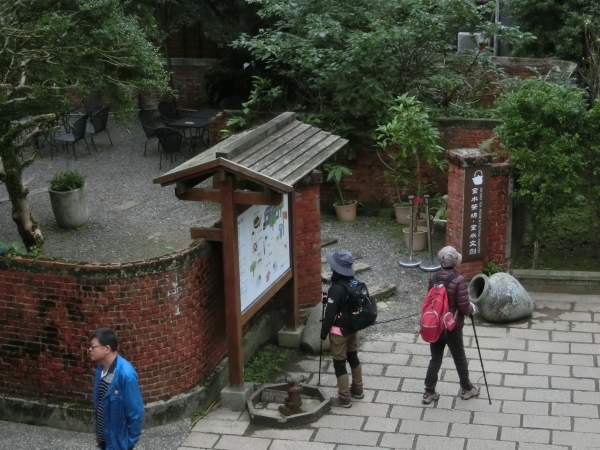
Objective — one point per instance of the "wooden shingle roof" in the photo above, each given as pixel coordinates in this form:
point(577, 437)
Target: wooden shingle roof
point(277, 154)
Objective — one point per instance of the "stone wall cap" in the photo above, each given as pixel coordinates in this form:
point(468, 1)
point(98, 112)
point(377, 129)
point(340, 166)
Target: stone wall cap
point(556, 274)
point(469, 157)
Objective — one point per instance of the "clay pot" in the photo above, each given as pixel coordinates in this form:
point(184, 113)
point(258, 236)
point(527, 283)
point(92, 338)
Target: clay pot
point(402, 213)
point(419, 238)
point(346, 213)
point(500, 297)
point(70, 208)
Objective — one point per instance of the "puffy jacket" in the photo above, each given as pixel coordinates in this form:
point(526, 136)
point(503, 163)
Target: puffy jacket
point(458, 295)
point(336, 303)
point(123, 407)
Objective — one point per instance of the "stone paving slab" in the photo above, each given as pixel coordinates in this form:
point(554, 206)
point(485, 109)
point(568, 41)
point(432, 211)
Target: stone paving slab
point(542, 376)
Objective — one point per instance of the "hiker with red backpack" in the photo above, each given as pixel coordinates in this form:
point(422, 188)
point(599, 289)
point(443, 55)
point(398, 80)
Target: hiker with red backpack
point(338, 325)
point(450, 332)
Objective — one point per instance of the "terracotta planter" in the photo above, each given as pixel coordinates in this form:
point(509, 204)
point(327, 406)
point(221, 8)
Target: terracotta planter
point(70, 208)
point(346, 213)
point(419, 238)
point(402, 213)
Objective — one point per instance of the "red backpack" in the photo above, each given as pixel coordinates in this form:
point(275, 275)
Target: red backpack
point(435, 313)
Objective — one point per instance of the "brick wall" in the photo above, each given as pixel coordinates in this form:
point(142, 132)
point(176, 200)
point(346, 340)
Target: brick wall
point(308, 243)
point(168, 314)
point(188, 81)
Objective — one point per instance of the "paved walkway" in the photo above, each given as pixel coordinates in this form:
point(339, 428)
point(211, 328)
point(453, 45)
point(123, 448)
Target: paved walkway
point(542, 374)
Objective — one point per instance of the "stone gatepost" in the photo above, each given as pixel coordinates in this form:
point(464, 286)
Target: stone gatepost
point(479, 209)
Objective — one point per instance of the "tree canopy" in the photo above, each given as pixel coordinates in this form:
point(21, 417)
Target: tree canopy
point(344, 61)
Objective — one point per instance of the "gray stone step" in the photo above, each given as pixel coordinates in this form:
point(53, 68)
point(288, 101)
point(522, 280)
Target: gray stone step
point(326, 241)
point(358, 267)
point(381, 290)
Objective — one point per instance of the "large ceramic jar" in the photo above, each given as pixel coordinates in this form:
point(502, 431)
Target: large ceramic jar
point(500, 297)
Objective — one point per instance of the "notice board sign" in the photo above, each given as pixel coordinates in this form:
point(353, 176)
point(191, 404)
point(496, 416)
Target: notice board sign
point(263, 248)
point(476, 198)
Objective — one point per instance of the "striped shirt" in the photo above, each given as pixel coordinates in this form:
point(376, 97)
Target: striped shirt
point(102, 389)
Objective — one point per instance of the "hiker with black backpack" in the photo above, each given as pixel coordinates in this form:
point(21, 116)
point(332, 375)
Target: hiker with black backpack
point(459, 306)
point(341, 322)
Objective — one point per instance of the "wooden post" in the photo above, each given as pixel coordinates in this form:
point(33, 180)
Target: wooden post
point(292, 316)
point(231, 275)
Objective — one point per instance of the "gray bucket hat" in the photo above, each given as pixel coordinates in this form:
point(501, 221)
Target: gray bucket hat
point(341, 261)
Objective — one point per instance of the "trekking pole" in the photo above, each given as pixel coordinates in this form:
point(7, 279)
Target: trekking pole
point(480, 359)
point(321, 349)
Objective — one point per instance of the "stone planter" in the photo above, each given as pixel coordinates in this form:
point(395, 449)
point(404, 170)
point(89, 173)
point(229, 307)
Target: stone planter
point(500, 297)
point(346, 213)
point(419, 238)
point(70, 208)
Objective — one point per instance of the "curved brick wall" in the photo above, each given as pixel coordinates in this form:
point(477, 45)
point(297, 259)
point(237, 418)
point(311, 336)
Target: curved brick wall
point(168, 313)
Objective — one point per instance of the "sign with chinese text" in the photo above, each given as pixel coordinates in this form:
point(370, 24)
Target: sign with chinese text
point(264, 248)
point(475, 212)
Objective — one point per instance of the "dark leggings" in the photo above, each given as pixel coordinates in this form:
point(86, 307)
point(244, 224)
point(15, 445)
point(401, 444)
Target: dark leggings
point(454, 340)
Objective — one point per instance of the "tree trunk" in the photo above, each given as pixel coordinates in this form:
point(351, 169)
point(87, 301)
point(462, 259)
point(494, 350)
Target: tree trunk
point(30, 234)
point(536, 255)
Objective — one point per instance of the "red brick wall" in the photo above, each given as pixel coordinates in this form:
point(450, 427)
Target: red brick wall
point(168, 314)
point(308, 243)
point(188, 81)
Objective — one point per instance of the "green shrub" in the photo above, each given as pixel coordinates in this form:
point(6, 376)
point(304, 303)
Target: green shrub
point(69, 180)
point(267, 362)
point(491, 268)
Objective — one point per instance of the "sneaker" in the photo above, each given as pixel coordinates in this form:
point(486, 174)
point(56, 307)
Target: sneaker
point(340, 401)
point(473, 392)
point(428, 397)
point(356, 392)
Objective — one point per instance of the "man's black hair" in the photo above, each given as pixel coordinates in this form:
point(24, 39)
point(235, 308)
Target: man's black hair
point(106, 336)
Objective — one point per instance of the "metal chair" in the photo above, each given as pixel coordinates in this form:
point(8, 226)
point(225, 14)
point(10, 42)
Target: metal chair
point(168, 113)
point(172, 142)
point(148, 119)
point(97, 124)
point(233, 102)
point(78, 133)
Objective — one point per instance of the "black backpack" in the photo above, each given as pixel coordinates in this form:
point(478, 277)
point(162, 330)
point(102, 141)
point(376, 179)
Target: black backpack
point(364, 309)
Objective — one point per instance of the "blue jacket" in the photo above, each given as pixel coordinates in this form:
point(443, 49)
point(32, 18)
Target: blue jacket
point(123, 407)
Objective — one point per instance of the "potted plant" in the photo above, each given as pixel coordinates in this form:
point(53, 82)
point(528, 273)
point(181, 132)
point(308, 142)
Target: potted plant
point(344, 209)
point(69, 199)
point(407, 141)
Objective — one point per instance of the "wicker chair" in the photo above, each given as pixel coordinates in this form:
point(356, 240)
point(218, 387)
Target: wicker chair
point(97, 124)
point(173, 142)
point(149, 120)
point(77, 133)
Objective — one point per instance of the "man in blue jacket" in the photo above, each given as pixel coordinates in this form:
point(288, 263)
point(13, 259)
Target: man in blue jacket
point(117, 398)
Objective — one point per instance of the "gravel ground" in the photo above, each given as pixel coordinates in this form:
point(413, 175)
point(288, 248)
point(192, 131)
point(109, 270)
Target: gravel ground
point(378, 241)
point(131, 218)
point(17, 436)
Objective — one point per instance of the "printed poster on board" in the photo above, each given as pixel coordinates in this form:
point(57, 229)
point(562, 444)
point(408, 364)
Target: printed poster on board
point(264, 248)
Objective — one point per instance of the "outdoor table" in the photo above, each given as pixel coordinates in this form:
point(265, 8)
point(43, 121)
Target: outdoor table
point(198, 124)
point(205, 113)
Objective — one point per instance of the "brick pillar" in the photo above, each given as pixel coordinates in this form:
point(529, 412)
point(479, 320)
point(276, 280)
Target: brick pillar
point(498, 220)
point(308, 239)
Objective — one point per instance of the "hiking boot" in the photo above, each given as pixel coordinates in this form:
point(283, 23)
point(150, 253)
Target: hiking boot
point(356, 392)
point(428, 397)
point(341, 401)
point(473, 392)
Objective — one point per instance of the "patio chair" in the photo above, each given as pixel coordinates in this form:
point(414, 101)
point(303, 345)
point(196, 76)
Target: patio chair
point(233, 102)
point(149, 120)
point(97, 124)
point(168, 113)
point(78, 133)
point(172, 142)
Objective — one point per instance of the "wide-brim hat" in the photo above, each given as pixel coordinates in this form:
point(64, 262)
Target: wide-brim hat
point(341, 261)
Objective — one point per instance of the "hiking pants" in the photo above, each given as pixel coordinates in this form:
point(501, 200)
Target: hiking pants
point(454, 340)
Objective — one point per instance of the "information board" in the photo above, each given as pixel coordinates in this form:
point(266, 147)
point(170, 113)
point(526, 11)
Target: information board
point(263, 248)
point(475, 216)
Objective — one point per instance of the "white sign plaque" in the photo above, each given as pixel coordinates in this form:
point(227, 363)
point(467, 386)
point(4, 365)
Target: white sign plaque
point(263, 248)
